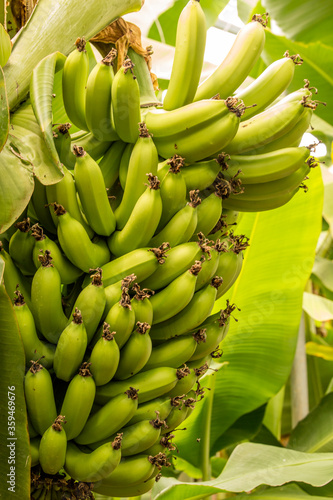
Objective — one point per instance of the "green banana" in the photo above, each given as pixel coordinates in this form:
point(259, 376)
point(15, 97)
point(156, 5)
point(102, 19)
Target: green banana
point(20, 247)
point(122, 318)
point(143, 161)
point(173, 190)
point(74, 81)
point(64, 193)
point(124, 163)
point(174, 353)
point(150, 385)
point(94, 466)
point(135, 353)
point(78, 401)
point(179, 259)
point(201, 175)
point(111, 417)
point(256, 169)
point(76, 244)
point(12, 277)
point(70, 348)
point(210, 264)
point(62, 141)
point(189, 56)
point(230, 263)
point(125, 491)
point(126, 103)
point(177, 415)
point(148, 411)
point(67, 271)
point(90, 185)
point(39, 396)
point(95, 148)
point(258, 205)
point(52, 447)
point(270, 84)
point(40, 206)
point(182, 225)
point(34, 450)
point(210, 210)
point(110, 163)
point(206, 139)
point(49, 316)
point(91, 302)
point(142, 222)
point(186, 380)
point(212, 334)
point(238, 63)
point(141, 304)
point(175, 296)
point(164, 445)
point(191, 316)
point(104, 357)
point(267, 126)
point(34, 348)
point(113, 292)
point(98, 98)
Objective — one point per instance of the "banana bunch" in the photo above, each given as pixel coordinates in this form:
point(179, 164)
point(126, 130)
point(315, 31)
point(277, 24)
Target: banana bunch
point(114, 271)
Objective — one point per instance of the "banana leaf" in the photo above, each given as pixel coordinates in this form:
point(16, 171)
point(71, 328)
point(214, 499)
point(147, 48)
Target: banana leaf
point(289, 492)
point(269, 293)
point(4, 111)
point(55, 25)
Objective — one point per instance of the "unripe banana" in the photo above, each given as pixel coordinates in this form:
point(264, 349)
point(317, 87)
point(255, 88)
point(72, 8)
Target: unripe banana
point(34, 450)
point(98, 98)
point(5, 46)
point(70, 348)
point(164, 445)
point(142, 162)
point(174, 353)
point(39, 396)
point(189, 56)
point(150, 385)
point(175, 296)
point(74, 81)
point(110, 163)
point(259, 205)
point(173, 190)
point(52, 448)
point(104, 357)
point(62, 141)
point(177, 415)
point(91, 302)
point(64, 193)
point(197, 143)
point(93, 466)
point(40, 205)
point(126, 103)
point(20, 247)
point(76, 244)
point(230, 263)
point(121, 317)
point(142, 262)
point(67, 271)
point(12, 277)
point(191, 316)
point(238, 63)
point(93, 196)
point(211, 334)
point(269, 85)
point(210, 264)
point(142, 222)
point(111, 417)
point(179, 259)
point(113, 292)
point(210, 210)
point(49, 316)
point(78, 401)
point(148, 411)
point(201, 175)
point(182, 225)
point(34, 348)
point(141, 304)
point(95, 148)
point(125, 491)
point(124, 164)
point(187, 378)
point(256, 169)
point(135, 353)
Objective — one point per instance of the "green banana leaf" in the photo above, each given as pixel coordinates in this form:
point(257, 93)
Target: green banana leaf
point(323, 271)
point(41, 89)
point(289, 492)
point(269, 293)
point(55, 26)
point(303, 21)
point(15, 443)
point(315, 432)
point(320, 351)
point(4, 111)
point(319, 308)
point(164, 29)
point(251, 465)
